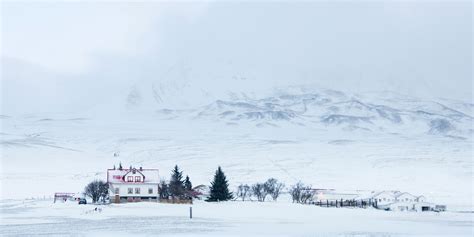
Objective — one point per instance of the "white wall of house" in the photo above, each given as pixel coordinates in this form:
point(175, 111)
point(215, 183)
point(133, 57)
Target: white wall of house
point(384, 198)
point(137, 190)
point(421, 199)
point(401, 206)
point(406, 197)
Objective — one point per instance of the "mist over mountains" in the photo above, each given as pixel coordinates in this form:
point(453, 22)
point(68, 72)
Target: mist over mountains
point(389, 67)
point(183, 92)
point(191, 55)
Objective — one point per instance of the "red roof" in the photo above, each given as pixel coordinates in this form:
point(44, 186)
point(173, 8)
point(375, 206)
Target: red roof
point(117, 176)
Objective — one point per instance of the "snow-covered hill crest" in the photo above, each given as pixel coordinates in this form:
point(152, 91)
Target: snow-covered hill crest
point(337, 110)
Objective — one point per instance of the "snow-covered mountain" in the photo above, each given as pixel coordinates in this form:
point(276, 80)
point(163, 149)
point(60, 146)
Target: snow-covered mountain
point(386, 112)
point(229, 95)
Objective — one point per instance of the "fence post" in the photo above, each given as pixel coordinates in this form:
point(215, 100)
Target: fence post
point(190, 212)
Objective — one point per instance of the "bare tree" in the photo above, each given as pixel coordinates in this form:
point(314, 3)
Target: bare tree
point(273, 187)
point(97, 190)
point(295, 191)
point(259, 191)
point(307, 195)
point(301, 193)
point(243, 191)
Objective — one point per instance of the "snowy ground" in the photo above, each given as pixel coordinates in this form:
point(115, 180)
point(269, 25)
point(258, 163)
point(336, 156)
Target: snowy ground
point(43, 154)
point(30, 218)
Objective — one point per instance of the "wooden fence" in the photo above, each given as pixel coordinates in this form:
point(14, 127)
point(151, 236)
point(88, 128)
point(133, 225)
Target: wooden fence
point(344, 203)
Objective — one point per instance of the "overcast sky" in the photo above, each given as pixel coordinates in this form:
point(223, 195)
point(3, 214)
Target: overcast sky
point(420, 48)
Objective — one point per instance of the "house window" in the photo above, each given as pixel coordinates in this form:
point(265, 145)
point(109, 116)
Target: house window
point(137, 190)
point(406, 199)
point(117, 190)
point(380, 200)
point(129, 179)
point(138, 179)
point(150, 191)
point(384, 199)
point(130, 190)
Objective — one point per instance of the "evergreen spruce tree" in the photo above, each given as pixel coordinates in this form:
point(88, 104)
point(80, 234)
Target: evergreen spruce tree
point(176, 186)
point(188, 186)
point(120, 166)
point(219, 188)
point(164, 190)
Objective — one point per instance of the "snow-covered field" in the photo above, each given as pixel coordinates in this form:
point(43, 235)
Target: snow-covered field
point(31, 218)
point(426, 151)
point(43, 155)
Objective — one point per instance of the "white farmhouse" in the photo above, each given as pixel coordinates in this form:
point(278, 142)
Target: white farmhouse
point(399, 201)
point(133, 185)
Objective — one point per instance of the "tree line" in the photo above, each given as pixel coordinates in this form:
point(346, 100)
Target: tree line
point(300, 193)
point(181, 188)
point(177, 188)
point(272, 187)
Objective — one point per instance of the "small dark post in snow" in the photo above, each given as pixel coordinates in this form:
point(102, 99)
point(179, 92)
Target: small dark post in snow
point(190, 212)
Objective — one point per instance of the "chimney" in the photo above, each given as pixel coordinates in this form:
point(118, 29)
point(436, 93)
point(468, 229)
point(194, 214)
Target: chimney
point(141, 169)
